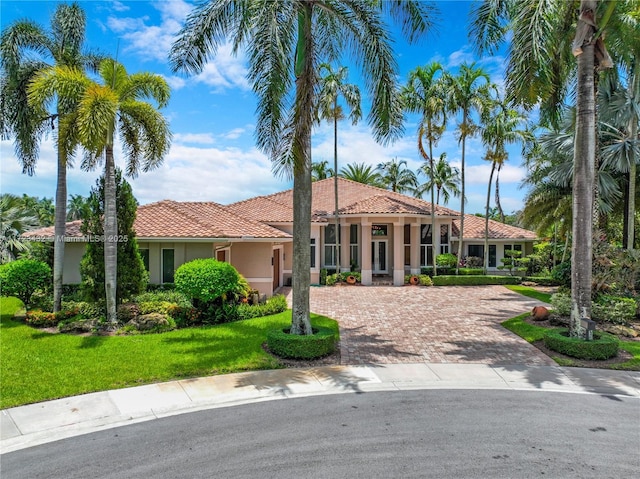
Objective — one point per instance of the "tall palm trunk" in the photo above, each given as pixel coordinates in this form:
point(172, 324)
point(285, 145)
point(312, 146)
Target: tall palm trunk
point(633, 133)
point(462, 192)
point(59, 229)
point(301, 275)
point(335, 180)
point(110, 236)
point(583, 182)
point(485, 261)
point(433, 210)
point(498, 204)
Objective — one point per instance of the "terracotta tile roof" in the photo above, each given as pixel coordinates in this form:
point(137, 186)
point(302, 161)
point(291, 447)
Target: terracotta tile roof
point(172, 219)
point(353, 198)
point(474, 229)
point(72, 230)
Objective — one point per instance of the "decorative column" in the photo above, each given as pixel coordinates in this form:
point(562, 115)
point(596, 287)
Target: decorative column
point(398, 253)
point(345, 243)
point(367, 275)
point(415, 248)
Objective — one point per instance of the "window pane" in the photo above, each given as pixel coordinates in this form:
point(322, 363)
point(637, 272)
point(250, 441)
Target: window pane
point(353, 234)
point(353, 250)
point(168, 266)
point(330, 255)
point(517, 247)
point(476, 250)
point(313, 252)
point(444, 234)
point(425, 234)
point(407, 255)
point(407, 234)
point(330, 234)
point(492, 255)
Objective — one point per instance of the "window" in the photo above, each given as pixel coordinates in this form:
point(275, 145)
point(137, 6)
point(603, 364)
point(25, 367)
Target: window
point(476, 250)
point(168, 266)
point(426, 246)
point(407, 245)
point(444, 239)
point(513, 247)
point(378, 230)
point(313, 252)
point(354, 254)
point(330, 247)
point(144, 254)
point(492, 256)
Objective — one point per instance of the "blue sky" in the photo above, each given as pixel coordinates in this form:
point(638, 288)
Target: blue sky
point(213, 155)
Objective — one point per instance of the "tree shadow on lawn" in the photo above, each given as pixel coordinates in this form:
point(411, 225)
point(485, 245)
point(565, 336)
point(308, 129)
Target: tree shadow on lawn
point(603, 382)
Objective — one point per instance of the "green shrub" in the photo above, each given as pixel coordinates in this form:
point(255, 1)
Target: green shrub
point(561, 273)
point(323, 276)
point(161, 287)
point(85, 309)
point(427, 270)
point(162, 307)
point(470, 271)
point(614, 309)
point(321, 343)
point(23, 277)
point(603, 346)
point(561, 304)
point(219, 312)
point(207, 279)
point(446, 260)
point(170, 296)
point(425, 280)
point(331, 279)
point(274, 305)
point(473, 280)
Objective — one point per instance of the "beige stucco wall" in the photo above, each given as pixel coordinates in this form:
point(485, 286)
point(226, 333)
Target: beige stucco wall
point(253, 261)
point(73, 253)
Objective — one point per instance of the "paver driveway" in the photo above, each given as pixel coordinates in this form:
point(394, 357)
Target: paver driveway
point(452, 324)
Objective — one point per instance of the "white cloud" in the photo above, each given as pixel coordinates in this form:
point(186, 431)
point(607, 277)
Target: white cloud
point(225, 70)
point(234, 134)
point(457, 58)
point(197, 138)
point(208, 174)
point(479, 174)
point(119, 6)
point(176, 83)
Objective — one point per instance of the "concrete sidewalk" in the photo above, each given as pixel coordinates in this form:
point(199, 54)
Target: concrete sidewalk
point(35, 424)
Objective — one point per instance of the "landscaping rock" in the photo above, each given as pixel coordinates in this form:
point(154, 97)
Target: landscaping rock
point(622, 331)
point(79, 326)
point(540, 313)
point(145, 322)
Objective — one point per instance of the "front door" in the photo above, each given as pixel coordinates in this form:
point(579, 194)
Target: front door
point(379, 257)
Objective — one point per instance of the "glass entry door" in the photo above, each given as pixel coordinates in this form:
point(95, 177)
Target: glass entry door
point(379, 257)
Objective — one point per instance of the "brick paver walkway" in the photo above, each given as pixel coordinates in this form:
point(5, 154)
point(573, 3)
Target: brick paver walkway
point(454, 324)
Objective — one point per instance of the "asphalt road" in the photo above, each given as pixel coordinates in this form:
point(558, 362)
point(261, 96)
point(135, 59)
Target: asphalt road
point(401, 434)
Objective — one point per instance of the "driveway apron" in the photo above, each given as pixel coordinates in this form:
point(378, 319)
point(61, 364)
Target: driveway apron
point(447, 324)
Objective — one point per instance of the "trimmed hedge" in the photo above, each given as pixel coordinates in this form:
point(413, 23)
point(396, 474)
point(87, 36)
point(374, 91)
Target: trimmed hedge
point(542, 280)
point(207, 279)
point(321, 343)
point(473, 280)
point(470, 271)
point(603, 346)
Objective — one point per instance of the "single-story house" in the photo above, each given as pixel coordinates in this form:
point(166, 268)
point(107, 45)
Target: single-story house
point(383, 234)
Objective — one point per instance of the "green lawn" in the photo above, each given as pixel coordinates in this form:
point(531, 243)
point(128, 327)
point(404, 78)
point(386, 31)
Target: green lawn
point(530, 292)
point(38, 366)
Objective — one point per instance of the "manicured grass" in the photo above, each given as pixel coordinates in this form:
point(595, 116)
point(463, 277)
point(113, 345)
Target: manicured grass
point(530, 292)
point(38, 366)
point(531, 333)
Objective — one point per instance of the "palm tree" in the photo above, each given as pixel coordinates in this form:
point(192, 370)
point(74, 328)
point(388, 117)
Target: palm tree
point(333, 85)
point(467, 92)
point(500, 128)
point(78, 208)
point(24, 47)
point(15, 219)
point(320, 170)
point(115, 106)
point(539, 66)
point(396, 176)
point(284, 41)
point(444, 177)
point(362, 173)
point(424, 94)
